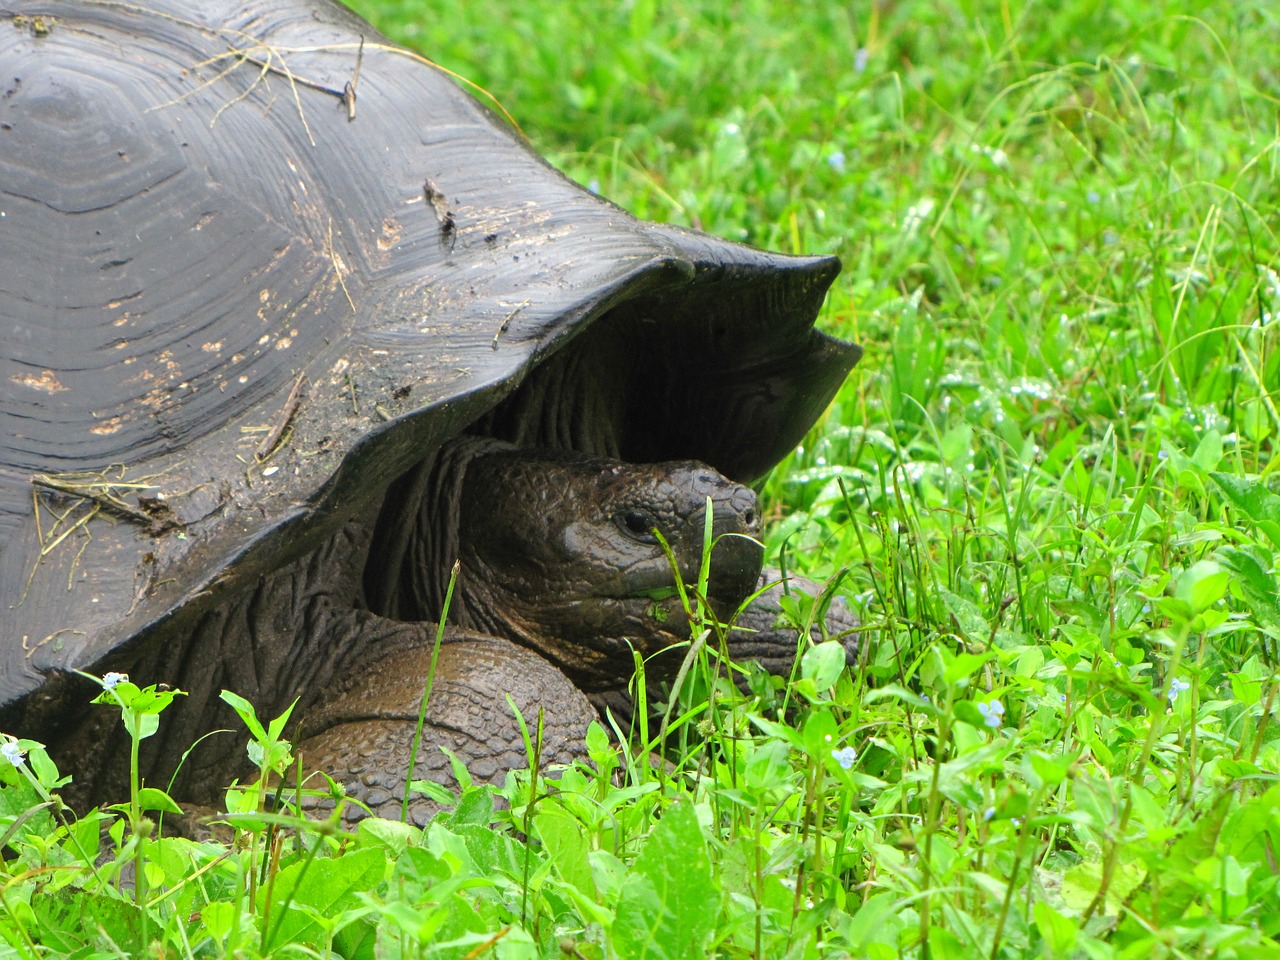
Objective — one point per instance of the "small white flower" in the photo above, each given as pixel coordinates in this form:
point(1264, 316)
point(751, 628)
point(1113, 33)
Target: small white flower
point(112, 680)
point(845, 756)
point(1176, 687)
point(917, 213)
point(992, 713)
point(13, 753)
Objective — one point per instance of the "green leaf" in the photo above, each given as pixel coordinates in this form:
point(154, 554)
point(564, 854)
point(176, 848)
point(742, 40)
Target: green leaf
point(149, 798)
point(669, 904)
point(1252, 567)
point(475, 806)
point(247, 714)
point(392, 836)
point(276, 726)
point(1059, 932)
point(1080, 884)
point(823, 663)
point(70, 918)
point(876, 921)
point(968, 617)
point(1209, 451)
point(819, 734)
point(150, 701)
point(1202, 585)
point(327, 886)
point(766, 766)
point(960, 666)
point(121, 695)
point(144, 700)
point(1254, 500)
point(1051, 769)
point(565, 840)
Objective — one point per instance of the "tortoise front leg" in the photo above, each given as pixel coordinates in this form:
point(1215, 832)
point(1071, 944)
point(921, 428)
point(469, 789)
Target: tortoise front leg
point(763, 633)
point(369, 724)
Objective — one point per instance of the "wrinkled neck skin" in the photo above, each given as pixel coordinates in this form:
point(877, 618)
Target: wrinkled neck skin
point(558, 551)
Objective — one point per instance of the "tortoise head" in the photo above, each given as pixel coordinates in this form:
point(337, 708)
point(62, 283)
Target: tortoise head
point(577, 556)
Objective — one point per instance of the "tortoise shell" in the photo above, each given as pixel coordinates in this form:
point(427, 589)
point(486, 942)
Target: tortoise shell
point(256, 261)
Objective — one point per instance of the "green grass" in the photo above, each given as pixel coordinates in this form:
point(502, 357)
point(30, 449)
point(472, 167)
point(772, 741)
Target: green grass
point(1048, 485)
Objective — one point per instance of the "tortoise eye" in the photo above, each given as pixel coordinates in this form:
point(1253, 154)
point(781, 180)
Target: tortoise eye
point(639, 526)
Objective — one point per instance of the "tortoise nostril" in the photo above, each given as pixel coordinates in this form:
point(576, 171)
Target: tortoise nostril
point(750, 518)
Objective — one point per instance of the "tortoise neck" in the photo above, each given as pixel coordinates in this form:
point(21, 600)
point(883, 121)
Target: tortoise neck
point(416, 541)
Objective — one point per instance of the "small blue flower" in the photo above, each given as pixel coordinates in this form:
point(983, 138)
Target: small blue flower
point(836, 161)
point(594, 185)
point(13, 753)
point(860, 60)
point(989, 813)
point(112, 680)
point(845, 756)
point(1092, 196)
point(1176, 687)
point(992, 713)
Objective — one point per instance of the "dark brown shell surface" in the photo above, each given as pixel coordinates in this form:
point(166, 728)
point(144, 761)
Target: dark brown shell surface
point(238, 301)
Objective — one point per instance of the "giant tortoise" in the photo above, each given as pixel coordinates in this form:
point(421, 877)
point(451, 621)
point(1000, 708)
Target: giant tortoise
point(291, 323)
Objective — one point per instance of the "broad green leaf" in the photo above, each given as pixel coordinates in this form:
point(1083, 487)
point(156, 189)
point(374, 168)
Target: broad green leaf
point(326, 885)
point(392, 836)
point(819, 734)
point(1051, 769)
point(1202, 585)
point(149, 798)
point(1080, 884)
point(961, 666)
point(1252, 567)
point(475, 806)
point(968, 617)
point(1254, 500)
point(565, 841)
point(766, 767)
point(669, 903)
point(823, 663)
point(876, 921)
point(1059, 932)
point(101, 919)
point(151, 701)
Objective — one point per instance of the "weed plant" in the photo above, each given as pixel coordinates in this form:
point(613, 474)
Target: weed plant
point(1048, 490)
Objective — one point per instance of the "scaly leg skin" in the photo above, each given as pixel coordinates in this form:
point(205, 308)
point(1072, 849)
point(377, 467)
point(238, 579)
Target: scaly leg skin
point(369, 726)
point(762, 633)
